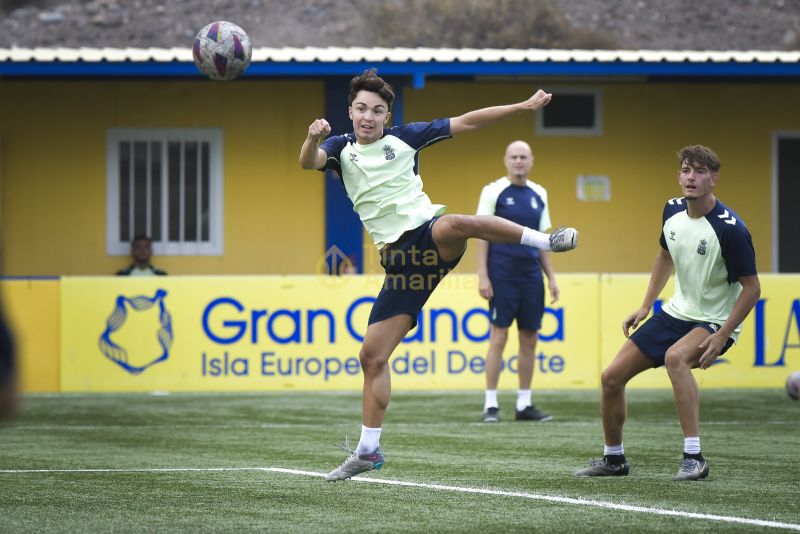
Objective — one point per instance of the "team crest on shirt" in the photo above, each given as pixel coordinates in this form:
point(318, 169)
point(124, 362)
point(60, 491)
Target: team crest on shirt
point(388, 151)
point(672, 235)
point(701, 247)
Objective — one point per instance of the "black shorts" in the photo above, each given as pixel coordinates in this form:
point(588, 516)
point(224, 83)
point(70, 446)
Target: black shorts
point(662, 331)
point(413, 270)
point(520, 301)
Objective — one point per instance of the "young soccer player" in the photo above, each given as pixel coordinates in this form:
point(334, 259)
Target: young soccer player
point(379, 169)
point(716, 286)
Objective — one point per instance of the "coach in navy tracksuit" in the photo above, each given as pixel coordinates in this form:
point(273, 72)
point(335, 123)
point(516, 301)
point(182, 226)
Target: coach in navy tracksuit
point(510, 276)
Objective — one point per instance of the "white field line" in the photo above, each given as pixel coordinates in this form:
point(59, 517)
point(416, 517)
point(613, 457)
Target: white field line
point(441, 487)
point(593, 424)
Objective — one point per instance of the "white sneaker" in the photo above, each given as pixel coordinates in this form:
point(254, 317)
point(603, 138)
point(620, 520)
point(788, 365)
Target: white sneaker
point(563, 239)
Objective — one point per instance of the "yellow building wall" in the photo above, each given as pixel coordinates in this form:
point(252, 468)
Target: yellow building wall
point(53, 137)
point(54, 158)
point(643, 128)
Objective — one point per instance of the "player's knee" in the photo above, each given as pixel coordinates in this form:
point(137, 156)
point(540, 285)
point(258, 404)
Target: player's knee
point(371, 361)
point(611, 381)
point(461, 226)
point(675, 359)
point(498, 338)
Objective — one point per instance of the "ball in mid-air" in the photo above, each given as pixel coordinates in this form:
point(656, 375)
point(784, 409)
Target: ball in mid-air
point(793, 385)
point(222, 50)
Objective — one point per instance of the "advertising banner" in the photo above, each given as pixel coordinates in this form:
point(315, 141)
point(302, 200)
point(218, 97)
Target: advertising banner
point(33, 315)
point(305, 333)
point(301, 333)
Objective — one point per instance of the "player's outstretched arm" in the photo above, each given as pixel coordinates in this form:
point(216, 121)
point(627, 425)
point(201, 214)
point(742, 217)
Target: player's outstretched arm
point(485, 116)
point(662, 269)
point(713, 344)
point(312, 157)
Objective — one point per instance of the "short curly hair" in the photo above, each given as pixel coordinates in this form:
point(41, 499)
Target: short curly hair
point(699, 155)
point(370, 81)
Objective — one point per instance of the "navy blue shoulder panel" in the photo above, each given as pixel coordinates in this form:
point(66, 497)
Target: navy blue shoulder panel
point(735, 242)
point(672, 206)
point(333, 147)
point(418, 135)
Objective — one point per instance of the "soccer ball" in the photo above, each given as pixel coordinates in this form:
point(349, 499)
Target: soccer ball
point(793, 385)
point(222, 50)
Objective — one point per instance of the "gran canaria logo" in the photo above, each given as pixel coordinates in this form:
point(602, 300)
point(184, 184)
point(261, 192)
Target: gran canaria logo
point(142, 351)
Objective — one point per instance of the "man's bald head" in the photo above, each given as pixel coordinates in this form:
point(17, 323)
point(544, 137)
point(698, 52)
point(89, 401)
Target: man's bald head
point(518, 160)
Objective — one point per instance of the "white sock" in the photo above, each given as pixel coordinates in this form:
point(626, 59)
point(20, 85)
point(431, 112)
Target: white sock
point(691, 445)
point(613, 450)
point(490, 399)
point(535, 238)
point(370, 440)
point(523, 399)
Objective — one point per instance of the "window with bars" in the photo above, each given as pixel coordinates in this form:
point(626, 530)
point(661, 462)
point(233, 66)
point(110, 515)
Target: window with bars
point(166, 184)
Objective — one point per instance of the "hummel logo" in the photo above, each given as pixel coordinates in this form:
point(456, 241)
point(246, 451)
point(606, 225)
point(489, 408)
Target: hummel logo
point(725, 217)
point(509, 201)
point(353, 157)
point(672, 235)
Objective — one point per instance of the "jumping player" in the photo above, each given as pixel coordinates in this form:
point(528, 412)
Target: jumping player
point(418, 244)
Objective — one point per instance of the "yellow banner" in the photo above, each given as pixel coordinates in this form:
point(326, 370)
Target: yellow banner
point(305, 332)
point(33, 316)
point(299, 332)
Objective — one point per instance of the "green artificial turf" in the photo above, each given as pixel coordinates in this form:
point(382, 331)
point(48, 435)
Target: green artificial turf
point(148, 444)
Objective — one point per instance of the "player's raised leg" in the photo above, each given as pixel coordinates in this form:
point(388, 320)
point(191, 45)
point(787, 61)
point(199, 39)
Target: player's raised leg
point(629, 362)
point(379, 342)
point(450, 232)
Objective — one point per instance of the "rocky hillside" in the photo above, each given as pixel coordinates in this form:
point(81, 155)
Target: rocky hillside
point(628, 24)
